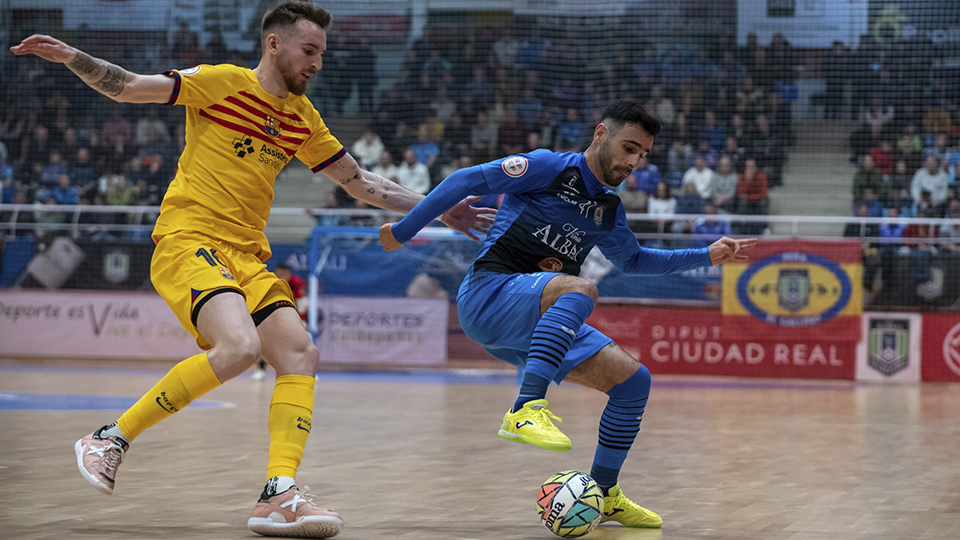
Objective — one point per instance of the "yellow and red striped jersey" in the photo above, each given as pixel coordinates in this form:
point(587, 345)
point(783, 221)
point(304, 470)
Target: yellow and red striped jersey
point(238, 138)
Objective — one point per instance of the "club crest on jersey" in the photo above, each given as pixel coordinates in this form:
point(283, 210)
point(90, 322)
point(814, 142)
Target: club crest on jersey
point(225, 273)
point(514, 166)
point(270, 126)
point(598, 215)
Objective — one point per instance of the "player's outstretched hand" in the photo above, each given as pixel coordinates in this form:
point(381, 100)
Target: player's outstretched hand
point(45, 47)
point(466, 219)
point(727, 250)
point(387, 239)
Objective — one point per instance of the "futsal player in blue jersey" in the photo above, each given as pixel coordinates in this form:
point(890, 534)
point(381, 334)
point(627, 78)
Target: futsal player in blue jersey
point(524, 302)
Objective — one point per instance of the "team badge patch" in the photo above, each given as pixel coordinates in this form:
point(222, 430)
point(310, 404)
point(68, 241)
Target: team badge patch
point(514, 166)
point(189, 72)
point(225, 273)
point(270, 126)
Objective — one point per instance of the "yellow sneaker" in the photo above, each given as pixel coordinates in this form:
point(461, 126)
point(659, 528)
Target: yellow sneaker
point(531, 424)
point(617, 507)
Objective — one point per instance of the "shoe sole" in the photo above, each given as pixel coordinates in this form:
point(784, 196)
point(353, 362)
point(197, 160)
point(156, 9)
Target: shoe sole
point(103, 488)
point(521, 439)
point(311, 527)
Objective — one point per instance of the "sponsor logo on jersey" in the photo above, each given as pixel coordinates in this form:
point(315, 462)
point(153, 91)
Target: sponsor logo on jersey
point(550, 264)
point(514, 166)
point(565, 241)
point(794, 289)
point(243, 145)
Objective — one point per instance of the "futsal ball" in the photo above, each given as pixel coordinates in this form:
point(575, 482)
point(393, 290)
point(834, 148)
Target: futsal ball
point(570, 504)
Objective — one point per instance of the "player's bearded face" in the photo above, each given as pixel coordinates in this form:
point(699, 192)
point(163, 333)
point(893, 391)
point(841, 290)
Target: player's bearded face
point(613, 173)
point(293, 79)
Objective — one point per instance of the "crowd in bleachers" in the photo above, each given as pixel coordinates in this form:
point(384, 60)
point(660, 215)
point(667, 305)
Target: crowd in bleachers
point(465, 101)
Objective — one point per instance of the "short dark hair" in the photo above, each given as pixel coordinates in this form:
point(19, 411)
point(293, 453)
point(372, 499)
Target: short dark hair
point(283, 266)
point(289, 13)
point(631, 112)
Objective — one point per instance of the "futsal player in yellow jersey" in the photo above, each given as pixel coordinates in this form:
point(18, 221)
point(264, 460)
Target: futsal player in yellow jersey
point(243, 127)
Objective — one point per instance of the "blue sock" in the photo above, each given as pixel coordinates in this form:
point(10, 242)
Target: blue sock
point(619, 425)
point(552, 338)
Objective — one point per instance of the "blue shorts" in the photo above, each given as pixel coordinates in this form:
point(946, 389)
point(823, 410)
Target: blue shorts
point(501, 311)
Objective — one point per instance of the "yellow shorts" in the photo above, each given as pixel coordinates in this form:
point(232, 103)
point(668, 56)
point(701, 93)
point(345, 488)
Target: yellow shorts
point(188, 268)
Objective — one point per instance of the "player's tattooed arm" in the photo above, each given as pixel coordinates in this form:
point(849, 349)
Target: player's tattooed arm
point(102, 76)
point(110, 80)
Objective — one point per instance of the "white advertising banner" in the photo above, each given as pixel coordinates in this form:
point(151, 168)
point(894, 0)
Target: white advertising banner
point(377, 330)
point(890, 349)
point(805, 23)
point(94, 324)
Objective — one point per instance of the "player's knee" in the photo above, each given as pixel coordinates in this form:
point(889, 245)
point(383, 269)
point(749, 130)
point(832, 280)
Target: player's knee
point(244, 348)
point(586, 287)
point(637, 386)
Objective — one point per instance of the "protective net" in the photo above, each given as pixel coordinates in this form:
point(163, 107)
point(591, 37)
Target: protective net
point(769, 108)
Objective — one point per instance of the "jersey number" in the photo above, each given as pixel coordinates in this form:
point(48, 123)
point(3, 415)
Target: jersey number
point(210, 257)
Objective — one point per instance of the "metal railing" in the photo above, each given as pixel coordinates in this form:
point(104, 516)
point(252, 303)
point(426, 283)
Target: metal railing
point(140, 220)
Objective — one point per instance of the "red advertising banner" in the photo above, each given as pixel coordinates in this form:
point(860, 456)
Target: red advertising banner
point(699, 342)
point(941, 349)
point(795, 290)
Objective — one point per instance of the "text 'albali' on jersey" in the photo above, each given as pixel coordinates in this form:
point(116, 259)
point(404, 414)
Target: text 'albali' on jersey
point(554, 212)
point(238, 138)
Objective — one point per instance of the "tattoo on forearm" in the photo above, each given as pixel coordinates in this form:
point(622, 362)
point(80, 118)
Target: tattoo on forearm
point(113, 78)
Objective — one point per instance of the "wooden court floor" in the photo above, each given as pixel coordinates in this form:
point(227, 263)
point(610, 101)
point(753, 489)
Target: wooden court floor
point(404, 457)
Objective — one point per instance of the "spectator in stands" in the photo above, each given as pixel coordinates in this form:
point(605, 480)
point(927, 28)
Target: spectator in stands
point(647, 176)
point(13, 128)
point(700, 176)
point(120, 193)
point(932, 179)
point(922, 252)
point(441, 107)
point(952, 230)
point(768, 150)
point(570, 129)
point(483, 137)
point(689, 202)
point(877, 117)
point(662, 203)
point(752, 195)
point(65, 193)
point(185, 45)
point(735, 152)
point(750, 99)
point(662, 107)
point(940, 149)
point(24, 218)
point(712, 132)
point(53, 169)
point(385, 167)
point(367, 149)
point(882, 155)
point(480, 88)
point(709, 229)
point(870, 198)
point(153, 135)
point(528, 107)
point(35, 149)
point(456, 137)
point(868, 176)
point(900, 179)
point(7, 186)
point(426, 148)
point(117, 130)
point(412, 174)
point(633, 198)
point(891, 232)
point(909, 149)
point(363, 64)
point(723, 186)
point(836, 72)
point(512, 134)
point(48, 221)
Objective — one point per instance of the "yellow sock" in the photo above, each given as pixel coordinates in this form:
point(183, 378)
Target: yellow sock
point(187, 381)
point(290, 422)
